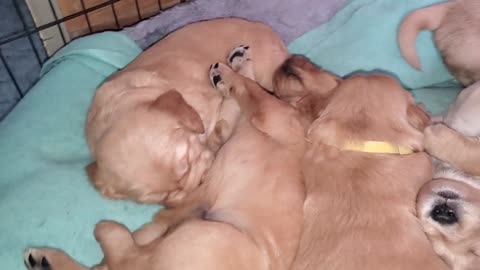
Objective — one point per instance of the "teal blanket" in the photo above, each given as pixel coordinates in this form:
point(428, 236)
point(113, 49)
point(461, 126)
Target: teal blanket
point(45, 198)
point(363, 36)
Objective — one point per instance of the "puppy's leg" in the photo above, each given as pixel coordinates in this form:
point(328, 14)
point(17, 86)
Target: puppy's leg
point(257, 104)
point(50, 259)
point(450, 146)
point(240, 60)
point(166, 220)
point(229, 113)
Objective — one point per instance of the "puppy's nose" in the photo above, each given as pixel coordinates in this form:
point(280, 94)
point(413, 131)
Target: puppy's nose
point(444, 214)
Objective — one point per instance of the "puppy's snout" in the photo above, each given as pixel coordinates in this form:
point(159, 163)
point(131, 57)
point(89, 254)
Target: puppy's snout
point(444, 214)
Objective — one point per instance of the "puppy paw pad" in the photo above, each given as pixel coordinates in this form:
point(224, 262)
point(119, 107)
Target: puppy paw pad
point(239, 56)
point(214, 74)
point(35, 260)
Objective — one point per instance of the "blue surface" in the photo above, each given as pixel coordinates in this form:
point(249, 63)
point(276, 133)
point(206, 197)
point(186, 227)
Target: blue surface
point(45, 198)
point(363, 36)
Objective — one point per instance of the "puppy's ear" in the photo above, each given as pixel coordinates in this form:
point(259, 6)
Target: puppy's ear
point(173, 102)
point(418, 117)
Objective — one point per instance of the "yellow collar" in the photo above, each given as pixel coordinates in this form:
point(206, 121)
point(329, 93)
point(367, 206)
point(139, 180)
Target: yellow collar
point(377, 147)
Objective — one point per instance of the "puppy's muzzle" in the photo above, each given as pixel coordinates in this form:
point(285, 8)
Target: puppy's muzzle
point(444, 214)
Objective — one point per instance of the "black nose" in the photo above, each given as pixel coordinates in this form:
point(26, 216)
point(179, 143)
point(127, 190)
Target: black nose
point(444, 214)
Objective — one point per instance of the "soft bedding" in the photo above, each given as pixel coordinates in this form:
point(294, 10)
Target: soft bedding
point(45, 198)
point(363, 36)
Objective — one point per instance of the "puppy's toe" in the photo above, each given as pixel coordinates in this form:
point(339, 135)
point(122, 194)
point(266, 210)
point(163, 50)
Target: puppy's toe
point(239, 56)
point(35, 259)
point(240, 60)
point(220, 78)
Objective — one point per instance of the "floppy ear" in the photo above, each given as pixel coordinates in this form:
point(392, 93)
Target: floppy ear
point(418, 117)
point(173, 102)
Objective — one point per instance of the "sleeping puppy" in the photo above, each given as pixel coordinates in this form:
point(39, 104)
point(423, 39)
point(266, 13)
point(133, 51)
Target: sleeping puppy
point(456, 25)
point(249, 209)
point(153, 128)
point(363, 169)
point(449, 207)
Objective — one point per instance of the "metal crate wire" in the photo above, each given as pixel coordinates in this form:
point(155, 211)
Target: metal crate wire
point(58, 20)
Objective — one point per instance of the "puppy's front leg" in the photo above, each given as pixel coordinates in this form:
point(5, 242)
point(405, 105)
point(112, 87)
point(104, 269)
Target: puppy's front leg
point(450, 146)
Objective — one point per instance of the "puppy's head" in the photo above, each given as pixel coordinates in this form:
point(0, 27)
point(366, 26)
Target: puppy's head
point(305, 86)
point(449, 212)
point(152, 155)
point(371, 108)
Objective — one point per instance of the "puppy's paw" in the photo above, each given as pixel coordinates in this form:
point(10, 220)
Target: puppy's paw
point(240, 60)
point(221, 78)
point(36, 259)
point(437, 137)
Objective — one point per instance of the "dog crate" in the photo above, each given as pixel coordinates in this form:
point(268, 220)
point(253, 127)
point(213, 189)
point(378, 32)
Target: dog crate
point(47, 25)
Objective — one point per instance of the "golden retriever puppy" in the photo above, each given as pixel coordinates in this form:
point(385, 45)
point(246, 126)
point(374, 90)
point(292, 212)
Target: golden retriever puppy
point(456, 25)
point(450, 213)
point(449, 206)
point(363, 169)
point(153, 128)
point(249, 210)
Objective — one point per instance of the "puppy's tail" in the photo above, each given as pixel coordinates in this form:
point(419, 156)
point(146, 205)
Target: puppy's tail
point(428, 18)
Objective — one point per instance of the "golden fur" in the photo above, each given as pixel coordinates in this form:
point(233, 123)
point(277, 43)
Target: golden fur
point(151, 152)
point(360, 208)
point(456, 24)
point(248, 212)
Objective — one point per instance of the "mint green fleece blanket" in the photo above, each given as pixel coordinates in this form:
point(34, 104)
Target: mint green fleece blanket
point(45, 198)
point(363, 36)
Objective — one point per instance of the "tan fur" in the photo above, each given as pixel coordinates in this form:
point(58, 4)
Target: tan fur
point(248, 212)
point(452, 147)
point(153, 147)
point(455, 145)
point(360, 210)
point(456, 25)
